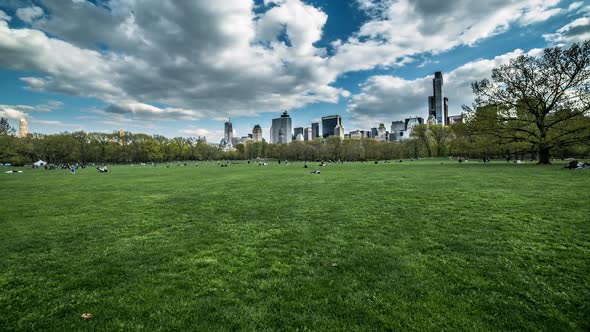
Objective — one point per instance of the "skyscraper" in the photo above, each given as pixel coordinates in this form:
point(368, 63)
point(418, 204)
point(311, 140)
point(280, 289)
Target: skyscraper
point(339, 131)
point(257, 133)
point(297, 131)
point(23, 128)
point(315, 130)
point(329, 124)
point(381, 133)
point(374, 133)
point(397, 128)
point(307, 135)
point(280, 131)
point(437, 103)
point(228, 133)
point(410, 124)
point(446, 111)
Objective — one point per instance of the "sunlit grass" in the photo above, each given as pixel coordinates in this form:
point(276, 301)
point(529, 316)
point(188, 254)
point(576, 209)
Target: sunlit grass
point(400, 246)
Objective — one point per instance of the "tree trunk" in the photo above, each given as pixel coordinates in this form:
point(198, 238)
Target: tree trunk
point(544, 155)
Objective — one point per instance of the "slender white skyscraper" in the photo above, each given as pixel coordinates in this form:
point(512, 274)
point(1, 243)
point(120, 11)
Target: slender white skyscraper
point(339, 131)
point(23, 128)
point(307, 134)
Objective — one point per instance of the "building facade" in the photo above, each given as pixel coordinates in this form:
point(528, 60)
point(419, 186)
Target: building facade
point(453, 119)
point(410, 124)
point(23, 128)
point(374, 133)
point(228, 134)
point(437, 103)
point(307, 134)
point(339, 131)
point(355, 134)
point(315, 130)
point(297, 131)
point(397, 130)
point(257, 133)
point(280, 131)
point(381, 133)
point(329, 124)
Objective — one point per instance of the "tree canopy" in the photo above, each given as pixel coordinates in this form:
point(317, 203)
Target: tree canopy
point(540, 100)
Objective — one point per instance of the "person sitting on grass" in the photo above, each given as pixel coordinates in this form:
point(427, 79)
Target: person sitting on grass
point(572, 164)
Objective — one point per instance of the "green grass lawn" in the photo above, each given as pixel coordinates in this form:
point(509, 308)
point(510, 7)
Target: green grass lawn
point(417, 246)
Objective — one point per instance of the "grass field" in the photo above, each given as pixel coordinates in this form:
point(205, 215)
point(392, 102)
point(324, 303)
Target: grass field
point(416, 245)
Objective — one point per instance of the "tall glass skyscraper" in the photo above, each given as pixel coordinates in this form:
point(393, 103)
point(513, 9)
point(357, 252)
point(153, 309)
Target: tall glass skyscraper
point(280, 131)
point(315, 130)
point(437, 103)
point(228, 132)
point(329, 124)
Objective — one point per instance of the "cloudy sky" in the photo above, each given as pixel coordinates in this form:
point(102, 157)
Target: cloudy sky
point(180, 68)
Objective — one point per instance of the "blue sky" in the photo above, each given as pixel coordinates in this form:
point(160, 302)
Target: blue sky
point(181, 68)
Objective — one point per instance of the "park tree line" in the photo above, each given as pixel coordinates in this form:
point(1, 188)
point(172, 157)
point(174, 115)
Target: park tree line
point(426, 141)
point(533, 107)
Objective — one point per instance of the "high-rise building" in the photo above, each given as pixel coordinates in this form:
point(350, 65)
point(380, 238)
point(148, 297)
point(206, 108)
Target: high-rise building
point(329, 124)
point(410, 124)
point(315, 130)
point(297, 131)
point(23, 128)
point(280, 131)
point(257, 133)
point(381, 133)
point(437, 103)
point(446, 111)
point(355, 134)
point(374, 133)
point(307, 134)
point(431, 108)
point(431, 120)
point(397, 126)
point(228, 133)
point(453, 119)
point(397, 129)
point(339, 131)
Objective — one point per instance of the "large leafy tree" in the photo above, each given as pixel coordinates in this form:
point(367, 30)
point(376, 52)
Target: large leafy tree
point(543, 101)
point(420, 132)
point(5, 128)
point(440, 135)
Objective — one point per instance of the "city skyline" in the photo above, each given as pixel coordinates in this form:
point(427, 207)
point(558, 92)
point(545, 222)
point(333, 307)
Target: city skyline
point(111, 68)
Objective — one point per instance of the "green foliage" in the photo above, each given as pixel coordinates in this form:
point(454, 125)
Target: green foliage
point(540, 101)
point(414, 246)
point(81, 147)
point(5, 128)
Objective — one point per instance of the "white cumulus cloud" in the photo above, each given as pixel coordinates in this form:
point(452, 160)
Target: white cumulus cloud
point(387, 98)
point(29, 14)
